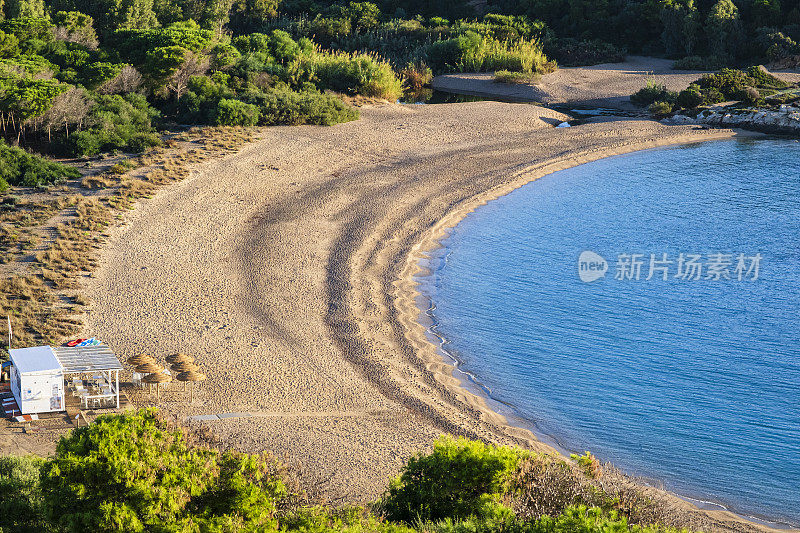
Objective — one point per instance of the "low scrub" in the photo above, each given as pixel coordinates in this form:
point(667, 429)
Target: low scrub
point(505, 76)
point(18, 167)
point(749, 87)
point(302, 107)
point(232, 112)
point(653, 92)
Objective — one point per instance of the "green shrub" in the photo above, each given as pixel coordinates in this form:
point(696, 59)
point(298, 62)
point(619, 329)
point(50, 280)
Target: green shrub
point(653, 92)
point(712, 96)
point(347, 520)
point(459, 479)
point(660, 108)
point(729, 82)
point(690, 98)
point(581, 519)
point(20, 496)
point(115, 122)
point(236, 113)
point(505, 76)
point(282, 47)
point(285, 107)
point(351, 73)
point(471, 52)
point(765, 80)
point(749, 96)
point(18, 167)
point(199, 104)
point(131, 472)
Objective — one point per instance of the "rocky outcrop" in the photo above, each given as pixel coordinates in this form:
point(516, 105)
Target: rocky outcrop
point(785, 119)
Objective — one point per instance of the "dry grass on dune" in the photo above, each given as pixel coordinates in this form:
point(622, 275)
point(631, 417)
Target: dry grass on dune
point(42, 294)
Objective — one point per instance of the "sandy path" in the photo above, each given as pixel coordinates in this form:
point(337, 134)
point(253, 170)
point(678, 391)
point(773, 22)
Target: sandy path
point(607, 85)
point(285, 270)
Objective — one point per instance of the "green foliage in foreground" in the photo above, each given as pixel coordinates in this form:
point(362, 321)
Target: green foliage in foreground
point(133, 473)
point(460, 479)
point(136, 473)
point(18, 167)
point(20, 495)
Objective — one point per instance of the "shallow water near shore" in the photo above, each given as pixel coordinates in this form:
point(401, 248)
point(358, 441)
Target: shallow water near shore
point(690, 380)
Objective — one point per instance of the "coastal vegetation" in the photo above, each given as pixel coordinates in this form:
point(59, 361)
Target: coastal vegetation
point(138, 472)
point(751, 87)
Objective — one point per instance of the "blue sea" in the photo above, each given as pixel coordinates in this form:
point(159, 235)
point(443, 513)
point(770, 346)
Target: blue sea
point(692, 381)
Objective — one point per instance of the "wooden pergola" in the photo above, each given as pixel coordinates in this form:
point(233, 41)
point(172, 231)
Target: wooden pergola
point(91, 360)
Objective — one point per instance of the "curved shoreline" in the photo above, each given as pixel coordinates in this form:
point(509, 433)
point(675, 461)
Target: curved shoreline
point(432, 262)
point(281, 269)
point(415, 272)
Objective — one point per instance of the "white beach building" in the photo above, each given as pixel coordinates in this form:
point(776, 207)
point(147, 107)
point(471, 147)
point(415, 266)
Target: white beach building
point(41, 375)
point(37, 380)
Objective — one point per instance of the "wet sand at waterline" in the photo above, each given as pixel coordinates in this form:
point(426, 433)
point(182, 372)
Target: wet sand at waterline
point(287, 271)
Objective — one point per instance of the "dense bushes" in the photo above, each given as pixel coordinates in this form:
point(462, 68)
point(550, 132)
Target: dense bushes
point(653, 92)
point(20, 495)
point(302, 107)
point(459, 479)
point(236, 113)
point(749, 87)
point(472, 52)
point(133, 473)
point(18, 167)
point(114, 122)
point(136, 472)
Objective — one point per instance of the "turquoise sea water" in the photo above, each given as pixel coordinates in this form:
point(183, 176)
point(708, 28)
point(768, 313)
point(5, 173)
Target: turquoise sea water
point(691, 382)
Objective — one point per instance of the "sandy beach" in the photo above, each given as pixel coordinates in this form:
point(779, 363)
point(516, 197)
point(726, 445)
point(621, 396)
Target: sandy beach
point(288, 271)
point(607, 85)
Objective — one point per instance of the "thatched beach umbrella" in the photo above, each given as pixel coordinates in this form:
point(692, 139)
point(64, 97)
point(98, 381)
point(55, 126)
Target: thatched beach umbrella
point(141, 359)
point(157, 378)
point(185, 367)
point(190, 376)
point(180, 358)
point(149, 368)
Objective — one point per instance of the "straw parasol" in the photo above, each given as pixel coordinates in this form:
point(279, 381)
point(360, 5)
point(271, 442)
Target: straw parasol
point(149, 368)
point(141, 359)
point(157, 378)
point(180, 358)
point(184, 367)
point(190, 376)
